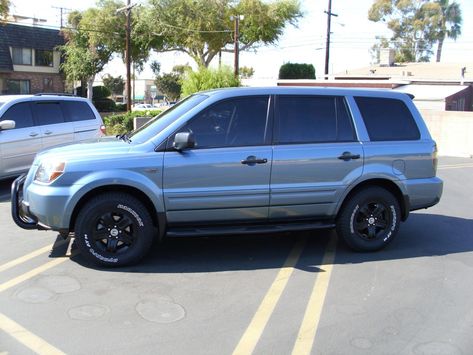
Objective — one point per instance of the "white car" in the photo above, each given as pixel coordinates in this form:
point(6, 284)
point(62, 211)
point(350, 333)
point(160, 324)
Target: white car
point(30, 123)
point(142, 107)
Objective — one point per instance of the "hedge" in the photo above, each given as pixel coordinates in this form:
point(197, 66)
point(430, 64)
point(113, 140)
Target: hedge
point(123, 122)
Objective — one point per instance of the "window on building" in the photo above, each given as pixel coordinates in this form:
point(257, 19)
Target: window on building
point(22, 56)
point(18, 87)
point(43, 58)
point(48, 85)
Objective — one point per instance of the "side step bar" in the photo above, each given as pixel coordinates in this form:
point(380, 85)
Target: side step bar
point(246, 229)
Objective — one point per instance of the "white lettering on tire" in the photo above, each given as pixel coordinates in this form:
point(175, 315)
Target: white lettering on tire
point(393, 225)
point(97, 255)
point(128, 209)
point(352, 218)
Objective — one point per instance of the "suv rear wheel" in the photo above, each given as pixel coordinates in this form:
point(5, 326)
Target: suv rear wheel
point(114, 229)
point(369, 220)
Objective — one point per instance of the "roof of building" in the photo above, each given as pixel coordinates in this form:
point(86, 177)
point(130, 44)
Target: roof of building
point(25, 37)
point(431, 92)
point(419, 71)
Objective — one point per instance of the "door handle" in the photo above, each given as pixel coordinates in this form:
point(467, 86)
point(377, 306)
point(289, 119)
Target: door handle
point(348, 156)
point(33, 134)
point(48, 133)
point(252, 160)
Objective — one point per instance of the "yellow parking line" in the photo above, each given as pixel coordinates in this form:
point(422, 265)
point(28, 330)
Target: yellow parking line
point(308, 329)
point(253, 333)
point(25, 258)
point(32, 273)
point(28, 339)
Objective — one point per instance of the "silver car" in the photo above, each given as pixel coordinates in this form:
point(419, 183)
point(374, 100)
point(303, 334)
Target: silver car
point(240, 161)
point(30, 123)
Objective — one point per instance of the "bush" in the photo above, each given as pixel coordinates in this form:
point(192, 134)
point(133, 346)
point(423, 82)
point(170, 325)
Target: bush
point(98, 92)
point(206, 79)
point(104, 105)
point(297, 71)
point(120, 107)
point(123, 122)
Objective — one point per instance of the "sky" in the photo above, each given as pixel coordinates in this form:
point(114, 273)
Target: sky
point(352, 36)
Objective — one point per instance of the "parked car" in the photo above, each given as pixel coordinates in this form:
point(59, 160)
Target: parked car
point(142, 107)
point(30, 123)
point(240, 160)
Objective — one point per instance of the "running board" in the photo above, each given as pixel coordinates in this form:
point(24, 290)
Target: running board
point(245, 229)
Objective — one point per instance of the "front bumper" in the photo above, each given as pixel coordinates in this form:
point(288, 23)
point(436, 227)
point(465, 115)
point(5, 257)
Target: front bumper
point(20, 210)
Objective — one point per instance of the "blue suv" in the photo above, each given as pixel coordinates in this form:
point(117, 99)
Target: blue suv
point(239, 161)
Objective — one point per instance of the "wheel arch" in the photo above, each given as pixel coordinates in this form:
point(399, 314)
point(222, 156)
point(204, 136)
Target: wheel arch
point(158, 218)
point(386, 184)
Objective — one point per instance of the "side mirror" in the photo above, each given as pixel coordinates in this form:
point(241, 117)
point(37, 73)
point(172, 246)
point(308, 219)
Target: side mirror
point(7, 124)
point(183, 140)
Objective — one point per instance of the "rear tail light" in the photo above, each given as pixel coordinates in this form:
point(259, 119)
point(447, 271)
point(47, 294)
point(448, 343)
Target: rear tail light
point(103, 130)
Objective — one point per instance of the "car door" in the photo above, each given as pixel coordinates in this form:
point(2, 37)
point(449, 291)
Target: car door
point(315, 157)
point(225, 178)
point(80, 116)
point(18, 146)
point(49, 117)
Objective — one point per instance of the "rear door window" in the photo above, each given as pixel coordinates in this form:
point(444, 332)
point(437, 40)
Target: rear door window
point(387, 119)
point(77, 111)
point(21, 114)
point(47, 112)
point(312, 119)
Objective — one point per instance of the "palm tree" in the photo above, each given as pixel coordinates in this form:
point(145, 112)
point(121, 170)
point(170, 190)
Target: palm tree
point(450, 21)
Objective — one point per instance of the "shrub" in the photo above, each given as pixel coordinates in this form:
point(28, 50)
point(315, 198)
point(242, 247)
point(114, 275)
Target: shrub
point(206, 79)
point(297, 71)
point(123, 122)
point(98, 92)
point(104, 105)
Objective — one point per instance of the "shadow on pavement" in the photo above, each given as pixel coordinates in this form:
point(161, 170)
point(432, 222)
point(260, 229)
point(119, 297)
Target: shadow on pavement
point(423, 235)
point(5, 189)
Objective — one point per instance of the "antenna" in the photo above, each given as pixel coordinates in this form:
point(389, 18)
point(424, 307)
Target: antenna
point(63, 11)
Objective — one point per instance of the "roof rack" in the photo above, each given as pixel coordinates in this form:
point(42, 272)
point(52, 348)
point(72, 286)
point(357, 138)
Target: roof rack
point(54, 94)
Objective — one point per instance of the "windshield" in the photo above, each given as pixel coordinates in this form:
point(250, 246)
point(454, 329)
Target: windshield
point(157, 124)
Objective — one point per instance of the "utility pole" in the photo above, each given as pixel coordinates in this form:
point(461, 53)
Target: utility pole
point(127, 56)
point(236, 50)
point(62, 11)
point(127, 10)
point(327, 47)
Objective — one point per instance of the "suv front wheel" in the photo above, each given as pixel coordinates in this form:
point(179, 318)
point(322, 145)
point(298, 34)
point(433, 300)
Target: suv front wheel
point(114, 229)
point(369, 220)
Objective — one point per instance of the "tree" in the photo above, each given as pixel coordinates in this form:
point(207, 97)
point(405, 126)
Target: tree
point(449, 23)
point(84, 54)
point(4, 9)
point(170, 84)
point(206, 79)
point(417, 25)
point(115, 85)
point(202, 28)
point(246, 72)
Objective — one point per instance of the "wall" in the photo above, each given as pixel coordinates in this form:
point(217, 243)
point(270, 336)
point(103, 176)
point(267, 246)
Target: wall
point(36, 81)
point(452, 130)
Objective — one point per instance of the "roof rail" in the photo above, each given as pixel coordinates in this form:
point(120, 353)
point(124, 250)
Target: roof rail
point(54, 94)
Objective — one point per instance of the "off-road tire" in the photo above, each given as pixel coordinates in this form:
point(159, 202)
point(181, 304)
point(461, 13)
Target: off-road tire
point(369, 220)
point(114, 229)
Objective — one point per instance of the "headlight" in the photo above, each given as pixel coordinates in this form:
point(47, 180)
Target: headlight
point(49, 171)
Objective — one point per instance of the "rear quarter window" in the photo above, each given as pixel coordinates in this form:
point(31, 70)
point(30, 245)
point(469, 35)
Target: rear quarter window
point(387, 119)
point(77, 111)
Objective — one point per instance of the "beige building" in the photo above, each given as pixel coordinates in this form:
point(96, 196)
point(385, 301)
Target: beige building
point(29, 60)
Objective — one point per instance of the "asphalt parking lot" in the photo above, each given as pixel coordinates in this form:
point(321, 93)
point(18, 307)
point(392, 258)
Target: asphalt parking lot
point(294, 293)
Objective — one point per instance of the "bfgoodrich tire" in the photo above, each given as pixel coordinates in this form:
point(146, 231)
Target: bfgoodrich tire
point(114, 229)
point(369, 220)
